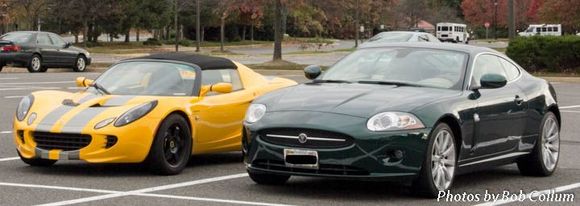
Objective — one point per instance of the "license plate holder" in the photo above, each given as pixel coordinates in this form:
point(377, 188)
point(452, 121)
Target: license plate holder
point(298, 158)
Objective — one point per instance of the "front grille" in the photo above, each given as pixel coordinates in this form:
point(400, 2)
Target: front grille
point(65, 142)
point(323, 169)
point(314, 138)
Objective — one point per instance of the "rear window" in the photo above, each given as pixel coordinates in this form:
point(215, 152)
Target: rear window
point(17, 37)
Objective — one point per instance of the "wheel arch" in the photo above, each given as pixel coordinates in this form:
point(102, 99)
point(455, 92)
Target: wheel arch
point(554, 109)
point(453, 123)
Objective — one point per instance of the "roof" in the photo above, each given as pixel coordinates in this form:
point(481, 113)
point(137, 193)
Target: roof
point(203, 61)
point(442, 46)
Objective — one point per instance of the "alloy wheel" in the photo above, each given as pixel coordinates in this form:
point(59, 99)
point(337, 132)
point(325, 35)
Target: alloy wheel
point(443, 160)
point(81, 64)
point(550, 144)
point(35, 63)
point(173, 147)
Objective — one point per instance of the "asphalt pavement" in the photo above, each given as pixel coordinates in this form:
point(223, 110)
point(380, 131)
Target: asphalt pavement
point(220, 179)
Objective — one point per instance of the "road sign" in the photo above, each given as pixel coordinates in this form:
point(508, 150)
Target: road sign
point(487, 24)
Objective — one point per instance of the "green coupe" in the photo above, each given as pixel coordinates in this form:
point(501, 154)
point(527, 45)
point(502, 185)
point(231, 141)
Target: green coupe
point(417, 113)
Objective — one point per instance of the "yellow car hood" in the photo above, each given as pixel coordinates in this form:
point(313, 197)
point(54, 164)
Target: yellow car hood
point(71, 112)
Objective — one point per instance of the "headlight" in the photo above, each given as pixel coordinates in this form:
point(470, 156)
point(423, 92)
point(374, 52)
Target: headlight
point(394, 121)
point(24, 107)
point(135, 114)
point(255, 113)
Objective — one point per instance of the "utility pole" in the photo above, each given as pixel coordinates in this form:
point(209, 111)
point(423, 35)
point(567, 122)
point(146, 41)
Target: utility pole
point(176, 27)
point(197, 25)
point(511, 20)
point(278, 30)
point(357, 23)
point(495, 19)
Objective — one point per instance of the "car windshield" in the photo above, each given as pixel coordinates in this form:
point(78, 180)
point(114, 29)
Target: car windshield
point(410, 66)
point(391, 37)
point(148, 78)
point(16, 37)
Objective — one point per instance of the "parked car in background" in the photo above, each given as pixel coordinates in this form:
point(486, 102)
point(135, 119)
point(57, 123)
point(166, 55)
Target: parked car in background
point(38, 51)
point(401, 36)
point(452, 32)
point(543, 30)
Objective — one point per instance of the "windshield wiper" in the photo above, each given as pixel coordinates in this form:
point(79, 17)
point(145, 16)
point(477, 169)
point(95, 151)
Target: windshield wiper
point(396, 83)
point(100, 88)
point(330, 81)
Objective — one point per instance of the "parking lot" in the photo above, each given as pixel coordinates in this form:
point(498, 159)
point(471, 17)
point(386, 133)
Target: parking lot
point(221, 178)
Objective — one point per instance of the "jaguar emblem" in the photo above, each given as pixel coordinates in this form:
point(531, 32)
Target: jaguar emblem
point(302, 138)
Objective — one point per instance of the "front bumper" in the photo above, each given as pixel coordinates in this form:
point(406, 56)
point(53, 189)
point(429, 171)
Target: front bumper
point(127, 144)
point(371, 155)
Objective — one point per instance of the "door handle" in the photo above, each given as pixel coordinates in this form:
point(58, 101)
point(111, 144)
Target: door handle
point(519, 100)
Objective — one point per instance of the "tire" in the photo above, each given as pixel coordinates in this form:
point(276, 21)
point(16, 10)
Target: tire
point(543, 160)
point(268, 179)
point(171, 148)
point(37, 162)
point(35, 64)
point(1, 66)
point(441, 144)
point(80, 64)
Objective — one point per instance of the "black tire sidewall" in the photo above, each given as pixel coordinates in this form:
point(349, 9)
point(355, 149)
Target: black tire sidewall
point(157, 162)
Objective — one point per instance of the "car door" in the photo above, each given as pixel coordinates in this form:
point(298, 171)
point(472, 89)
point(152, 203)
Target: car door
point(499, 114)
point(64, 55)
point(47, 49)
point(219, 116)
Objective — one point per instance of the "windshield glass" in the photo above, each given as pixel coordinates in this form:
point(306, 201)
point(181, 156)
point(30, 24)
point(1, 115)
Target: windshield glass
point(391, 37)
point(16, 37)
point(418, 66)
point(149, 78)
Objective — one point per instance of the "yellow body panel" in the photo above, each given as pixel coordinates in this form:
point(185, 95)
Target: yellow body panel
point(215, 121)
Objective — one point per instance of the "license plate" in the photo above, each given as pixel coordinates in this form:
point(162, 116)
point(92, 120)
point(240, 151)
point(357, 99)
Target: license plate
point(301, 158)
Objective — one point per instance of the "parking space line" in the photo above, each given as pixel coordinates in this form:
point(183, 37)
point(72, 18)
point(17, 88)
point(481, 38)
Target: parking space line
point(13, 97)
point(535, 194)
point(146, 190)
point(9, 159)
point(570, 107)
point(27, 88)
point(569, 111)
point(5, 132)
point(8, 78)
point(24, 83)
point(77, 189)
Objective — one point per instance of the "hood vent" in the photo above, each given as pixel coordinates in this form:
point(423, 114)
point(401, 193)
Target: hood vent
point(69, 102)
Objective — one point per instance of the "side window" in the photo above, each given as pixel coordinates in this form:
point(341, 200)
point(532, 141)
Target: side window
point(512, 72)
point(423, 38)
point(556, 29)
point(57, 40)
point(42, 39)
point(487, 64)
point(214, 76)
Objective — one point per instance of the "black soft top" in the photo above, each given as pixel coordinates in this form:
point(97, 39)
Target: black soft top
point(203, 61)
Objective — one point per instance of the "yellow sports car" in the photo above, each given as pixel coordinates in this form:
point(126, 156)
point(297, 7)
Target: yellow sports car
point(158, 109)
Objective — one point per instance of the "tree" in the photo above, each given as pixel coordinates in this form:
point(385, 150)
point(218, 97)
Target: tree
point(277, 30)
point(565, 12)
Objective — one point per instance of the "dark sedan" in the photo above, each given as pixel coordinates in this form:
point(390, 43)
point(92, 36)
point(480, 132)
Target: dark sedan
point(414, 112)
point(38, 51)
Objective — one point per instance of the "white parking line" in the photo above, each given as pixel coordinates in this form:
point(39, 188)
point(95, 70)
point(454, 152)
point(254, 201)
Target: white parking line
point(8, 78)
point(535, 194)
point(13, 97)
point(8, 184)
point(146, 190)
point(24, 83)
point(570, 107)
point(9, 159)
point(5, 132)
point(568, 111)
point(28, 88)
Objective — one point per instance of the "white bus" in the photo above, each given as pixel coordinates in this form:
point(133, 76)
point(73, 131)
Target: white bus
point(543, 30)
point(452, 32)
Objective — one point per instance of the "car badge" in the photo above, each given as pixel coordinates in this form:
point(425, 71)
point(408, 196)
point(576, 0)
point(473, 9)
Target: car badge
point(302, 138)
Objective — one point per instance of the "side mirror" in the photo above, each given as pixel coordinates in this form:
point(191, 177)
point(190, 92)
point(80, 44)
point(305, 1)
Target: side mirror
point(67, 45)
point(218, 87)
point(83, 82)
point(492, 81)
point(312, 71)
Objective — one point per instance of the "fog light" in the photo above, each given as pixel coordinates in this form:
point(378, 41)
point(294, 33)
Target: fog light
point(31, 118)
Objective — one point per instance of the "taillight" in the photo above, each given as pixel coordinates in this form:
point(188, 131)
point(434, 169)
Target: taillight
point(10, 48)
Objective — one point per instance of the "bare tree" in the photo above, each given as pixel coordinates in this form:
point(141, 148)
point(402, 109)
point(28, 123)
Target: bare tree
point(277, 30)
